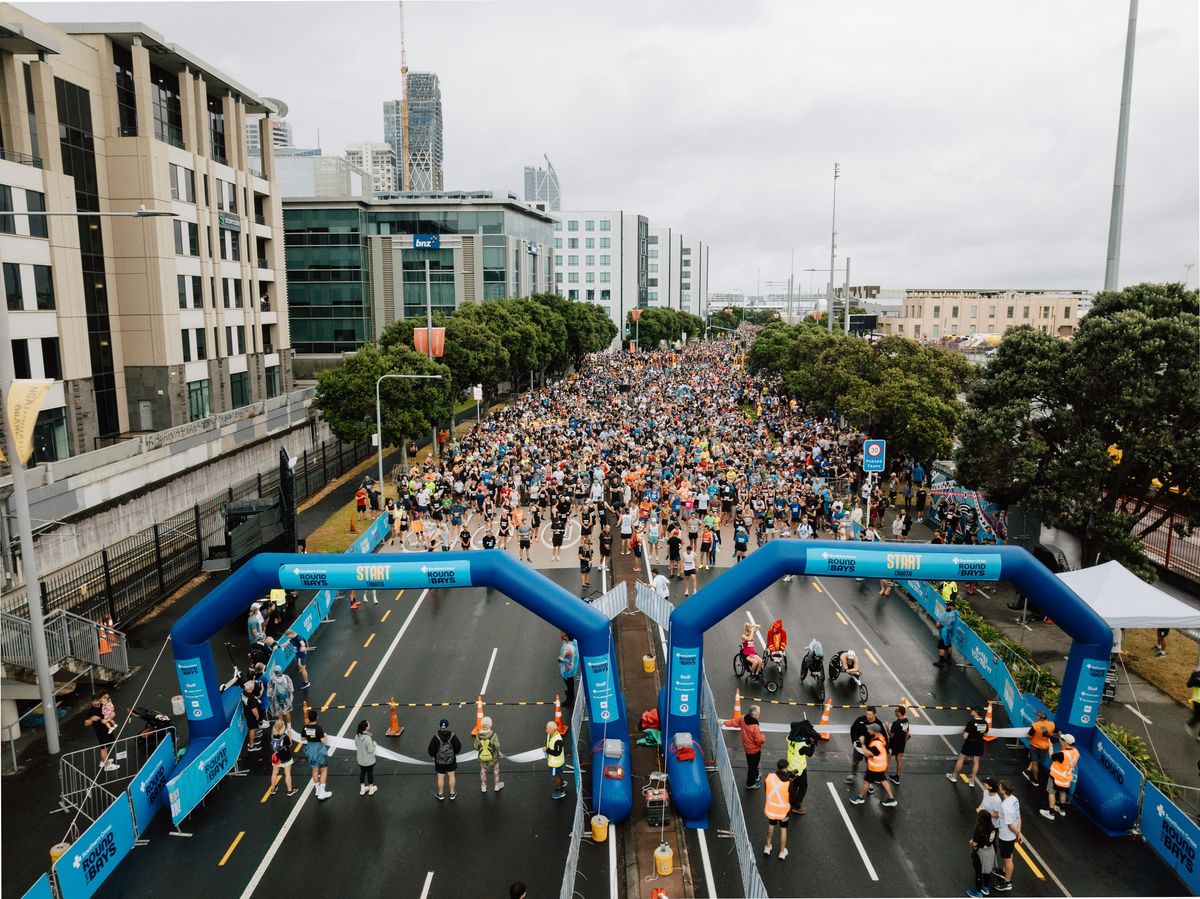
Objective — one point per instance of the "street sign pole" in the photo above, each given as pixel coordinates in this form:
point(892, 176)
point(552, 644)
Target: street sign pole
point(874, 462)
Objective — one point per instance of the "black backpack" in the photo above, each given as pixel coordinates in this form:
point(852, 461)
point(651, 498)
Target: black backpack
point(445, 752)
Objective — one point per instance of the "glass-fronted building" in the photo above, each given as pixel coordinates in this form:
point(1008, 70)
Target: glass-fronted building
point(357, 264)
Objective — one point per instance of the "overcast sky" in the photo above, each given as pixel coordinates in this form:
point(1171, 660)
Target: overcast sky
point(976, 140)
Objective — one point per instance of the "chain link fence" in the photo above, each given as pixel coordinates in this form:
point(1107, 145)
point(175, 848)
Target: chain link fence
point(124, 580)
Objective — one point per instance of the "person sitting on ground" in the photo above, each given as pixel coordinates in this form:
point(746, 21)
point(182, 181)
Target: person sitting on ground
point(754, 662)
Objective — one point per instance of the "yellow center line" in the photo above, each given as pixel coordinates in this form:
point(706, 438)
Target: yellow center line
point(869, 656)
point(351, 668)
point(267, 795)
point(233, 845)
point(912, 708)
point(842, 619)
point(964, 777)
point(369, 639)
point(1037, 872)
point(399, 593)
point(385, 616)
point(328, 702)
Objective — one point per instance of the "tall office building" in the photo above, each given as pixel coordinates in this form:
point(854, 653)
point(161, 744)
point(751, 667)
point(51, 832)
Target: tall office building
point(142, 323)
point(424, 132)
point(380, 161)
point(541, 187)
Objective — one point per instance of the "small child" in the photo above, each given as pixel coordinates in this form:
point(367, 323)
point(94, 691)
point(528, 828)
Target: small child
point(108, 713)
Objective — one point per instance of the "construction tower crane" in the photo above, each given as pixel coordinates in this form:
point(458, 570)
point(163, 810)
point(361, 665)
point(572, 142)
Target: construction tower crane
point(405, 176)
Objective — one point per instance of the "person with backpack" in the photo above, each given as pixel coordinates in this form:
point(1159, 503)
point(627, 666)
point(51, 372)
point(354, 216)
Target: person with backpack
point(444, 749)
point(487, 744)
point(801, 743)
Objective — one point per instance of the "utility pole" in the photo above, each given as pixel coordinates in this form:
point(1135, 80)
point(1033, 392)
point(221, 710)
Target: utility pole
point(837, 168)
point(405, 178)
point(1113, 264)
point(846, 299)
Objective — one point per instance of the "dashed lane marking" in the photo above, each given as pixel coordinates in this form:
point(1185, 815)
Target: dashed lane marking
point(816, 586)
point(351, 668)
point(232, 846)
point(328, 702)
point(368, 643)
point(871, 657)
point(1037, 872)
point(385, 616)
point(842, 618)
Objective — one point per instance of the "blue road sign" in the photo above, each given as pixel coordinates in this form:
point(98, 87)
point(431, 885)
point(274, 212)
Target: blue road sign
point(874, 455)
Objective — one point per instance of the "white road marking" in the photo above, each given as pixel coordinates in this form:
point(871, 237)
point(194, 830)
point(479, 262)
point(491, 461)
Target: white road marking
point(708, 871)
point(487, 677)
point(757, 633)
point(613, 888)
point(428, 884)
point(1136, 712)
point(862, 852)
point(291, 819)
point(903, 689)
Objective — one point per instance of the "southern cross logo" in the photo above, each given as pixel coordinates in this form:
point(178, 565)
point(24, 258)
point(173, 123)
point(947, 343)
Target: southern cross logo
point(1162, 812)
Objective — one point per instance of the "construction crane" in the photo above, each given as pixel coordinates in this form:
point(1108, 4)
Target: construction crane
point(405, 177)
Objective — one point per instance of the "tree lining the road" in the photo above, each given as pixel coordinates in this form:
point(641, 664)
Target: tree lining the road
point(659, 323)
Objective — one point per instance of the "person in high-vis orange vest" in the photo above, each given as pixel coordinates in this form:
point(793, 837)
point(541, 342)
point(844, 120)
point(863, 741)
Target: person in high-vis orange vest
point(874, 747)
point(1062, 772)
point(777, 807)
point(1040, 734)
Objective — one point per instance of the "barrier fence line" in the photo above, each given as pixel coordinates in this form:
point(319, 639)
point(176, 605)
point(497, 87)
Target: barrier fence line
point(614, 602)
point(572, 865)
point(752, 884)
point(653, 606)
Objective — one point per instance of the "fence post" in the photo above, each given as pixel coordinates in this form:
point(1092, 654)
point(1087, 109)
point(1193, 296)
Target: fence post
point(199, 537)
point(1170, 534)
point(324, 463)
point(108, 585)
point(307, 494)
point(162, 581)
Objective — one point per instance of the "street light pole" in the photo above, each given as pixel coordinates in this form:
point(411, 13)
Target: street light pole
point(379, 414)
point(1113, 263)
point(832, 249)
point(846, 299)
point(433, 445)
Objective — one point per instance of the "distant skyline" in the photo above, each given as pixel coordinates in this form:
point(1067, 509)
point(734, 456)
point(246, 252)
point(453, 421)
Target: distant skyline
point(976, 142)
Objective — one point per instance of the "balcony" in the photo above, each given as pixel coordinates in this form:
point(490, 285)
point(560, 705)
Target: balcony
point(260, 219)
point(263, 263)
point(23, 158)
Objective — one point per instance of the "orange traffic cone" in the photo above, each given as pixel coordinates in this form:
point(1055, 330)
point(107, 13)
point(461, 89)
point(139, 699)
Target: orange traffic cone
point(478, 716)
point(558, 721)
point(352, 528)
point(394, 727)
point(988, 718)
point(105, 648)
point(825, 718)
point(737, 703)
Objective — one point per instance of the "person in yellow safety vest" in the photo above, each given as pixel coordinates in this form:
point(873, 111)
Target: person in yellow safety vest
point(1062, 773)
point(874, 747)
point(777, 807)
point(1194, 684)
point(801, 743)
point(556, 757)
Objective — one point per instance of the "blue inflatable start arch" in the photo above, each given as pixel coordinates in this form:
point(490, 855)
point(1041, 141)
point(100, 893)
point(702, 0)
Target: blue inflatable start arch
point(1082, 685)
point(209, 713)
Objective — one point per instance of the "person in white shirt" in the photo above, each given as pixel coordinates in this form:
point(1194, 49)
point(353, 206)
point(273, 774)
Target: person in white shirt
point(898, 527)
point(626, 530)
point(1009, 833)
point(662, 586)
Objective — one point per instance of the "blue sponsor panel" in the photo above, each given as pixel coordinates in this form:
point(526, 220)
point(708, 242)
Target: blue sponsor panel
point(598, 670)
point(685, 680)
point(890, 563)
point(97, 852)
point(41, 889)
point(1172, 834)
point(427, 242)
point(148, 789)
point(1117, 764)
point(189, 787)
point(375, 574)
point(1089, 691)
point(196, 705)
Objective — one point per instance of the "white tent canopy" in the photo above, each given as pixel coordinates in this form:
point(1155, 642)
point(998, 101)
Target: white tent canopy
point(1123, 599)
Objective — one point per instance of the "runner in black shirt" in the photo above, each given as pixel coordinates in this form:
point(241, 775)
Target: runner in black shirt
point(489, 540)
point(585, 565)
point(972, 747)
point(898, 740)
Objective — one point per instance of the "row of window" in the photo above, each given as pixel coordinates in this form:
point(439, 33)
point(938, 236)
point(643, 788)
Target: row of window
point(199, 392)
point(588, 277)
point(936, 330)
point(589, 243)
point(588, 225)
point(588, 260)
point(195, 343)
point(35, 201)
point(590, 295)
point(17, 276)
point(972, 311)
point(187, 241)
point(51, 360)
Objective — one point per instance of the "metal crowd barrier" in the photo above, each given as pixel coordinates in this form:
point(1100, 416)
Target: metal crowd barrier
point(86, 788)
point(653, 606)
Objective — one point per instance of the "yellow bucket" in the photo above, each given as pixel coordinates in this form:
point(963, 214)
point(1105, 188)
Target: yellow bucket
point(57, 851)
point(599, 828)
point(648, 663)
point(664, 859)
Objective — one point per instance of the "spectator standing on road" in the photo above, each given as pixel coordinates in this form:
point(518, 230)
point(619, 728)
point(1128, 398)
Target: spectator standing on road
point(252, 710)
point(801, 743)
point(568, 665)
point(281, 758)
point(1062, 774)
point(983, 853)
point(972, 748)
point(662, 586)
point(281, 694)
point(1007, 835)
point(104, 736)
point(753, 740)
point(777, 807)
point(444, 749)
point(874, 747)
point(991, 802)
point(860, 729)
point(364, 746)
point(585, 565)
point(689, 572)
point(897, 741)
point(1040, 733)
point(487, 744)
point(946, 622)
point(556, 758)
point(316, 750)
point(256, 630)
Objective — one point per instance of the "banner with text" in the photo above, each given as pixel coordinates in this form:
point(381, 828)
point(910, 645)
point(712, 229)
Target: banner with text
point(375, 575)
point(685, 681)
point(189, 787)
point(41, 889)
point(598, 670)
point(879, 563)
point(97, 852)
point(147, 793)
point(1172, 834)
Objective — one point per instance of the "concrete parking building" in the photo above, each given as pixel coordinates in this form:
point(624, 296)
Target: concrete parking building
point(935, 314)
point(142, 323)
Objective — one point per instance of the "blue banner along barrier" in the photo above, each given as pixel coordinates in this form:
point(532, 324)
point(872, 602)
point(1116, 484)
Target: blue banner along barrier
point(147, 790)
point(189, 786)
point(373, 575)
point(1117, 763)
point(855, 561)
point(97, 852)
point(1172, 834)
point(41, 889)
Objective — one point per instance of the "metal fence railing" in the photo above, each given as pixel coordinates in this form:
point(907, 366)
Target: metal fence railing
point(752, 884)
point(124, 580)
point(572, 866)
point(68, 636)
point(1165, 547)
point(88, 788)
point(653, 606)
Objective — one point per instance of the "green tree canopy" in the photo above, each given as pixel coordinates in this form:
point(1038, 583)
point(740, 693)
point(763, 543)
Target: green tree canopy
point(1039, 424)
point(659, 323)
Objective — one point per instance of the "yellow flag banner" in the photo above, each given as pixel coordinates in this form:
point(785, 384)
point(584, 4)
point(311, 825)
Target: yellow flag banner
point(24, 402)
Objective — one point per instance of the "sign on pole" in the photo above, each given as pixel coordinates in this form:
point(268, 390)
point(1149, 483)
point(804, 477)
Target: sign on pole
point(874, 455)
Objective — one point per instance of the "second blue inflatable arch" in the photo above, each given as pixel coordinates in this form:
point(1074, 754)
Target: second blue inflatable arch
point(1082, 684)
point(209, 713)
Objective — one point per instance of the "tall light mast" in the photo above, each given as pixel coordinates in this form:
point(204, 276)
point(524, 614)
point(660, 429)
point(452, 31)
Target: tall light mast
point(405, 177)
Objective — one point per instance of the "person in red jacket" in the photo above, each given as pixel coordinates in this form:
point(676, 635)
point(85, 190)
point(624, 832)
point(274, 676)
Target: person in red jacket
point(752, 741)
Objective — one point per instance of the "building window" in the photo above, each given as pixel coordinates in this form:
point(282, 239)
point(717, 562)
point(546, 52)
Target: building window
point(652, 267)
point(590, 225)
point(558, 260)
point(197, 293)
point(50, 436)
point(572, 260)
point(686, 285)
point(183, 183)
point(590, 296)
point(1010, 311)
point(605, 296)
point(605, 260)
point(972, 331)
point(590, 260)
point(21, 367)
point(572, 243)
point(216, 128)
point(239, 389)
point(606, 243)
point(274, 388)
point(31, 114)
point(916, 330)
point(653, 295)
point(589, 243)
point(590, 277)
point(558, 277)
point(126, 96)
point(1025, 312)
point(198, 406)
point(652, 282)
point(51, 360)
point(991, 311)
point(686, 251)
point(12, 286)
point(164, 104)
point(8, 223)
point(1066, 312)
point(573, 278)
point(572, 294)
point(1045, 312)
point(954, 312)
point(605, 277)
point(973, 310)
point(201, 349)
point(605, 224)
point(43, 286)
point(685, 263)
point(36, 202)
point(572, 225)
point(954, 330)
point(558, 243)
point(181, 282)
point(653, 254)
point(186, 341)
point(937, 311)
point(652, 239)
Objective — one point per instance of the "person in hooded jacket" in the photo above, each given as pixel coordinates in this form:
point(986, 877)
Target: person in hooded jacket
point(753, 740)
point(801, 744)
